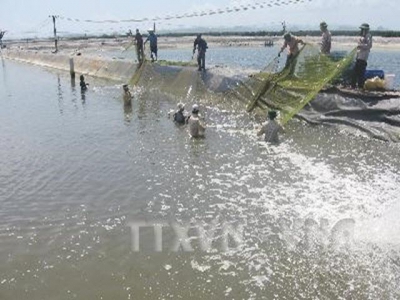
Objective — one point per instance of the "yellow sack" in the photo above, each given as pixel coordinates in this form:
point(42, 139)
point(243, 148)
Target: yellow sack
point(373, 84)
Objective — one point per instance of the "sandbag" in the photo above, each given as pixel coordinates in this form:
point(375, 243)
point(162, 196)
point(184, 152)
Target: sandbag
point(373, 84)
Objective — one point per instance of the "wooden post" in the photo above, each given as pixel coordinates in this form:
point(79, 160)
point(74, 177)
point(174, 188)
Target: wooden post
point(55, 31)
point(1, 37)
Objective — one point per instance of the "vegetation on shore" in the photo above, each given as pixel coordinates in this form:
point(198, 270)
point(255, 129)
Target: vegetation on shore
point(177, 63)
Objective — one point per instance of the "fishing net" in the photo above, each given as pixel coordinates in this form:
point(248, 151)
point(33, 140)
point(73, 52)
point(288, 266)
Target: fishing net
point(177, 79)
point(287, 89)
point(291, 88)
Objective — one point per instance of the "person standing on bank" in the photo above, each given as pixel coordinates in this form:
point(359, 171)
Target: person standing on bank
point(326, 39)
point(292, 43)
point(363, 48)
point(201, 45)
point(153, 44)
point(139, 46)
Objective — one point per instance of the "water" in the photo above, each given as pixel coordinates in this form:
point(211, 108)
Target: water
point(77, 170)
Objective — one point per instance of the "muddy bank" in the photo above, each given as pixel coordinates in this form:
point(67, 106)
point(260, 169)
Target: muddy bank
point(216, 79)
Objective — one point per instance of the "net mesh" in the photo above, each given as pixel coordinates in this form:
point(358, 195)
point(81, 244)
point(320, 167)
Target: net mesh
point(290, 89)
point(286, 89)
point(173, 78)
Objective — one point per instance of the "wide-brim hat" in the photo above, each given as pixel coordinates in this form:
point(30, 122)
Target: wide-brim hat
point(364, 26)
point(323, 25)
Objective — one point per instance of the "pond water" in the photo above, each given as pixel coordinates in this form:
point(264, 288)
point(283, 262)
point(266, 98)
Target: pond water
point(315, 217)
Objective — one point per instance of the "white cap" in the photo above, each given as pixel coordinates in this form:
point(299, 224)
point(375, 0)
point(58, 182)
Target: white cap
point(181, 105)
point(195, 109)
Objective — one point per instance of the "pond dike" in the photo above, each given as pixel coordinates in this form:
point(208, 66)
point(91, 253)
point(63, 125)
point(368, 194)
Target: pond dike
point(215, 79)
point(119, 70)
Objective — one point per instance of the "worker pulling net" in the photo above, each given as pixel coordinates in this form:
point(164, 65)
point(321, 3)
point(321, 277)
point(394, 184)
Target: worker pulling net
point(290, 89)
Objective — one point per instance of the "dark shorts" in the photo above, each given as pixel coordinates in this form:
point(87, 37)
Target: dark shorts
point(153, 49)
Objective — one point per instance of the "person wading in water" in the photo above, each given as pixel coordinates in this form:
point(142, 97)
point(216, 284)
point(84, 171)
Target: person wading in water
point(271, 129)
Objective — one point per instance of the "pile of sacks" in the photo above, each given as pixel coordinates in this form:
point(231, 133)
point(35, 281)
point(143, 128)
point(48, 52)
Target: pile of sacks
point(373, 84)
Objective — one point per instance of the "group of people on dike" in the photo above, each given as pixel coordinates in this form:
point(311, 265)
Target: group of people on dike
point(199, 44)
point(271, 128)
point(140, 45)
point(364, 46)
point(291, 43)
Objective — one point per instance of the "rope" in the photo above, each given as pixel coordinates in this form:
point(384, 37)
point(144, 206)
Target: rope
point(227, 10)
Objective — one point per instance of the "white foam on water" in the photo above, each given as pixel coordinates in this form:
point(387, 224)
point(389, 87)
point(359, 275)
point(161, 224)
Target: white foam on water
point(383, 229)
point(283, 182)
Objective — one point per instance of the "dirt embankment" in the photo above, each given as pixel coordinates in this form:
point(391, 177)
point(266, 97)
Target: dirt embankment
point(119, 44)
point(89, 65)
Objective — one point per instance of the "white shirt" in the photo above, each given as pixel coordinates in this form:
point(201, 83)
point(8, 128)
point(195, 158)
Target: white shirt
point(364, 46)
point(195, 127)
point(326, 42)
point(271, 130)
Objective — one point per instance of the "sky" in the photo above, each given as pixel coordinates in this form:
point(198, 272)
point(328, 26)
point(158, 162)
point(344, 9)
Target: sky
point(30, 18)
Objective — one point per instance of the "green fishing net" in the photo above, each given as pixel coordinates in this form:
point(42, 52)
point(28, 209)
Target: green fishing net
point(288, 89)
point(174, 78)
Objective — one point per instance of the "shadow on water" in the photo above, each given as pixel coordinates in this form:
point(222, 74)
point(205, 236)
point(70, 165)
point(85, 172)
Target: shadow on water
point(73, 92)
point(197, 147)
point(4, 71)
point(73, 84)
point(60, 95)
point(127, 103)
point(83, 96)
point(128, 112)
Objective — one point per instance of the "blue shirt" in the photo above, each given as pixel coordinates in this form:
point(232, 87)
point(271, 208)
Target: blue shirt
point(153, 39)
